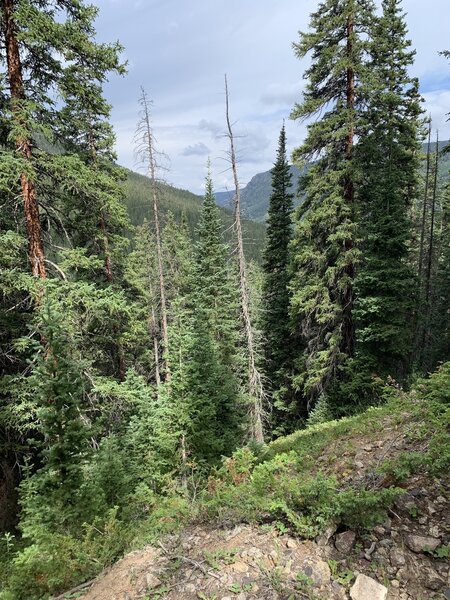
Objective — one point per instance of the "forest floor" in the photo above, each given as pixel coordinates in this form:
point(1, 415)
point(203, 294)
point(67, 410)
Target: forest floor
point(403, 557)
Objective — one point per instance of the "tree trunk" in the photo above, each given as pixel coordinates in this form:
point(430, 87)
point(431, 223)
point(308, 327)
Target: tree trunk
point(148, 137)
point(254, 378)
point(36, 255)
point(424, 208)
point(426, 340)
point(348, 327)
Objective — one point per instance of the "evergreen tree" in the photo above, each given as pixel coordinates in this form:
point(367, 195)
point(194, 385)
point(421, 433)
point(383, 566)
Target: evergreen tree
point(214, 281)
point(389, 155)
point(276, 296)
point(324, 251)
point(440, 315)
point(51, 496)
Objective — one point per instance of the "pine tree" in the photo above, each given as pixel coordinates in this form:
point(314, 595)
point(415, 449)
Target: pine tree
point(276, 297)
point(43, 44)
point(214, 280)
point(389, 155)
point(51, 496)
point(216, 306)
point(324, 251)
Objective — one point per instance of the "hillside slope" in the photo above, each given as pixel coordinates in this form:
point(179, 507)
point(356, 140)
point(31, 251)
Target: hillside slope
point(255, 195)
point(357, 509)
point(182, 202)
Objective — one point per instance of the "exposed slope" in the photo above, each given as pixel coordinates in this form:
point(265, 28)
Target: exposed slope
point(182, 202)
point(371, 493)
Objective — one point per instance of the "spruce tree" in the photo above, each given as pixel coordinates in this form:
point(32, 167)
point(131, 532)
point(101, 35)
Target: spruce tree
point(276, 296)
point(389, 154)
point(51, 497)
point(214, 281)
point(324, 251)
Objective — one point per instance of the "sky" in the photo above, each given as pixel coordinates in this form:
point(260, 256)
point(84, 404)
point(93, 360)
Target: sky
point(180, 50)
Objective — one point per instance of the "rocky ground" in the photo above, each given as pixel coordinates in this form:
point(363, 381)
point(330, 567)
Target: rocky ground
point(405, 558)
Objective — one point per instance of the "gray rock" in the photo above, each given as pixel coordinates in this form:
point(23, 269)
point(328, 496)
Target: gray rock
point(366, 588)
point(419, 543)
point(324, 538)
point(152, 581)
point(431, 579)
point(345, 541)
point(397, 558)
point(317, 570)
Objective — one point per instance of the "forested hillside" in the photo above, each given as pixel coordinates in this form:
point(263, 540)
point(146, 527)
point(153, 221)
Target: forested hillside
point(186, 205)
point(174, 376)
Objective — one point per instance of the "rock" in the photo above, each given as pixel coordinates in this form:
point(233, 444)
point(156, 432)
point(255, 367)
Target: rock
point(152, 581)
point(324, 538)
point(397, 558)
point(366, 588)
point(419, 543)
point(291, 543)
point(359, 464)
point(395, 583)
point(431, 579)
point(190, 588)
point(434, 531)
point(317, 570)
point(431, 509)
point(239, 567)
point(338, 591)
point(255, 552)
point(345, 541)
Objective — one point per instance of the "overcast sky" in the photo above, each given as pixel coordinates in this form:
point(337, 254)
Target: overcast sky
point(179, 51)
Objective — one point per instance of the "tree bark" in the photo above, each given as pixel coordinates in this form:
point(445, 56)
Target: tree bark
point(424, 208)
point(254, 378)
point(36, 254)
point(426, 340)
point(348, 327)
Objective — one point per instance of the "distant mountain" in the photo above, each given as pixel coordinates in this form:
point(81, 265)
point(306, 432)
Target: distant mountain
point(183, 203)
point(255, 195)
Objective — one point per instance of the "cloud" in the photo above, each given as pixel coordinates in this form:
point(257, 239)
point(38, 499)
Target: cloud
point(180, 51)
point(214, 128)
point(198, 149)
point(281, 95)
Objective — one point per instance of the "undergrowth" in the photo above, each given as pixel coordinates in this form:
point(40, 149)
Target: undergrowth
point(280, 484)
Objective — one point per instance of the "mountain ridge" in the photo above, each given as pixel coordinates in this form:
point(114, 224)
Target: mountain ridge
point(255, 196)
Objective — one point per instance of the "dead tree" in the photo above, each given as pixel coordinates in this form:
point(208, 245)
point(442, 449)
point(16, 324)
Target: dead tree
point(255, 387)
point(148, 154)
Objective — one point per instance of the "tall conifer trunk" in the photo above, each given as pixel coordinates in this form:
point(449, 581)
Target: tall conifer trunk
point(36, 255)
point(349, 197)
